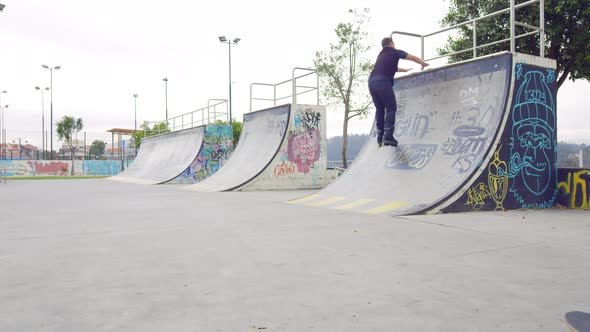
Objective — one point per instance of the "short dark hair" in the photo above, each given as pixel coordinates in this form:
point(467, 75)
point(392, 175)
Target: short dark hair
point(386, 41)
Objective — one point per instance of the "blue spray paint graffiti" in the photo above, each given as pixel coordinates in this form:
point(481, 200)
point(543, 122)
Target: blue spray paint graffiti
point(215, 151)
point(523, 170)
point(533, 143)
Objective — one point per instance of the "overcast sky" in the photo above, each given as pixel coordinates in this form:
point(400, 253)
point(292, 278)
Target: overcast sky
point(111, 49)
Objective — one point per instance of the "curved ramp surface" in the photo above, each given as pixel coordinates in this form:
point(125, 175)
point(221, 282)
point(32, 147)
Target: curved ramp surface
point(447, 122)
point(162, 158)
point(280, 148)
point(261, 138)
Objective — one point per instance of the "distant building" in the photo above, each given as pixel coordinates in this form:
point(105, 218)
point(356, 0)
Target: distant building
point(18, 151)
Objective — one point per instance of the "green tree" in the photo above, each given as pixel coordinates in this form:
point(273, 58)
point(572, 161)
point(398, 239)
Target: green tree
point(158, 129)
point(97, 148)
point(566, 30)
point(67, 130)
point(344, 69)
point(237, 129)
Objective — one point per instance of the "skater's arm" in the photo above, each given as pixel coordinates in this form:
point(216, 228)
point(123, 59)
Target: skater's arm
point(403, 70)
point(417, 60)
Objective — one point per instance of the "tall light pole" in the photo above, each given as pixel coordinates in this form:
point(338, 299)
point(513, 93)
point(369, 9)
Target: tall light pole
point(229, 43)
point(135, 132)
point(42, 118)
point(20, 146)
point(165, 79)
point(4, 129)
point(1, 124)
point(51, 69)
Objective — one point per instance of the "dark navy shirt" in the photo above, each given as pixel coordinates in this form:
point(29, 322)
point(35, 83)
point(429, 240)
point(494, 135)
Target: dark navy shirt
point(386, 64)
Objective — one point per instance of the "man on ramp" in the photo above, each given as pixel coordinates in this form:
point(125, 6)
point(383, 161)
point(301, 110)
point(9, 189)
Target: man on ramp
point(381, 89)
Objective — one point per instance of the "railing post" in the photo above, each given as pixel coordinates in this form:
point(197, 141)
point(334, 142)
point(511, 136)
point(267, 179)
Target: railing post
point(474, 39)
point(542, 28)
point(251, 97)
point(422, 47)
point(275, 95)
point(317, 76)
point(512, 32)
point(294, 83)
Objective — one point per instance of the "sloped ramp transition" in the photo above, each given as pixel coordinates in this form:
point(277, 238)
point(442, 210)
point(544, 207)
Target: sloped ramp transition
point(164, 157)
point(452, 123)
point(280, 148)
point(446, 122)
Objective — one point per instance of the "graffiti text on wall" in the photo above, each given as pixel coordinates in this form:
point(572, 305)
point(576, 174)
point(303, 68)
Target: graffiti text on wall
point(411, 156)
point(573, 188)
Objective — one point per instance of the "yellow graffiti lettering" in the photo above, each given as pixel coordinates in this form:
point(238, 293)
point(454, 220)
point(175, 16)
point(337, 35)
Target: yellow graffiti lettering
point(577, 190)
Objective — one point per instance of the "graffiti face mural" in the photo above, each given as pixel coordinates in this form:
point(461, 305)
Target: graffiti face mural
point(523, 171)
point(533, 142)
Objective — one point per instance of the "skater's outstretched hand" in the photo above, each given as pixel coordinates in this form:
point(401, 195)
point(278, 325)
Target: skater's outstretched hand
point(417, 60)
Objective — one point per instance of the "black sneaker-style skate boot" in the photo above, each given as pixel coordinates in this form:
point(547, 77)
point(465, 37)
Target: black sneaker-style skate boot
point(380, 137)
point(388, 139)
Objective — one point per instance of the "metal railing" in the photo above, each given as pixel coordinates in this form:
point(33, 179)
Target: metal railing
point(473, 22)
point(295, 89)
point(216, 109)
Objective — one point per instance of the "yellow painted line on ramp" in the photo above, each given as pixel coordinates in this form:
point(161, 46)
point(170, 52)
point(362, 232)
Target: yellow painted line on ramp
point(304, 199)
point(327, 201)
point(354, 204)
point(387, 207)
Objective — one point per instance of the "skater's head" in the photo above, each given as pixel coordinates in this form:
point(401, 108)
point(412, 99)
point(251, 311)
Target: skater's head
point(387, 42)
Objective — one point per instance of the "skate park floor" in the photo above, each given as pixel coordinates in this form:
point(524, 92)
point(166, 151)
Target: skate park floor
point(97, 255)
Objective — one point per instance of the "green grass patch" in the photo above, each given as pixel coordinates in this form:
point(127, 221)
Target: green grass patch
point(56, 177)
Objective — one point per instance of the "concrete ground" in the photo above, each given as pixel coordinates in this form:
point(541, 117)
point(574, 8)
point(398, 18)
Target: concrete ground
point(96, 255)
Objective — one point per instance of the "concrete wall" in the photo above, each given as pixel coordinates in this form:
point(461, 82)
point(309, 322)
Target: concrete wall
point(301, 162)
point(573, 188)
point(215, 150)
point(522, 172)
point(61, 167)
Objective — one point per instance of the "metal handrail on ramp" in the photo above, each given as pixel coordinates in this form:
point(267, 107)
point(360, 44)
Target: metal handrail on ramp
point(295, 88)
point(473, 22)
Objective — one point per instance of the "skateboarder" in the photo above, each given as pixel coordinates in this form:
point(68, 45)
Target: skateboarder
point(381, 89)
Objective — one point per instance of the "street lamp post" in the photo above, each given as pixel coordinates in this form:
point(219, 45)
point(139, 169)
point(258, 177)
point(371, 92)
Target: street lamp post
point(42, 119)
point(20, 147)
point(1, 125)
point(51, 106)
point(229, 43)
point(165, 79)
point(3, 131)
point(135, 127)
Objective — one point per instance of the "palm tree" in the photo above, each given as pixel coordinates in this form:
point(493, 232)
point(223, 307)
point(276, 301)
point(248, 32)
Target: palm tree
point(68, 128)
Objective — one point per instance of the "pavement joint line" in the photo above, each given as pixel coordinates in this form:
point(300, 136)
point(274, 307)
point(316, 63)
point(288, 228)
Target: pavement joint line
point(445, 225)
point(501, 249)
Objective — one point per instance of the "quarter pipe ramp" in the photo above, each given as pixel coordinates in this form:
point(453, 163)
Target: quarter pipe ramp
point(185, 156)
point(478, 135)
point(280, 148)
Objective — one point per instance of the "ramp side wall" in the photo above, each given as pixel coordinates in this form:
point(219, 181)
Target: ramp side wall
point(523, 170)
point(216, 149)
point(301, 162)
point(573, 188)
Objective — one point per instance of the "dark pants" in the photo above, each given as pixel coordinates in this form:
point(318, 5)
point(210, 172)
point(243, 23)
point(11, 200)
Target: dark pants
point(384, 99)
